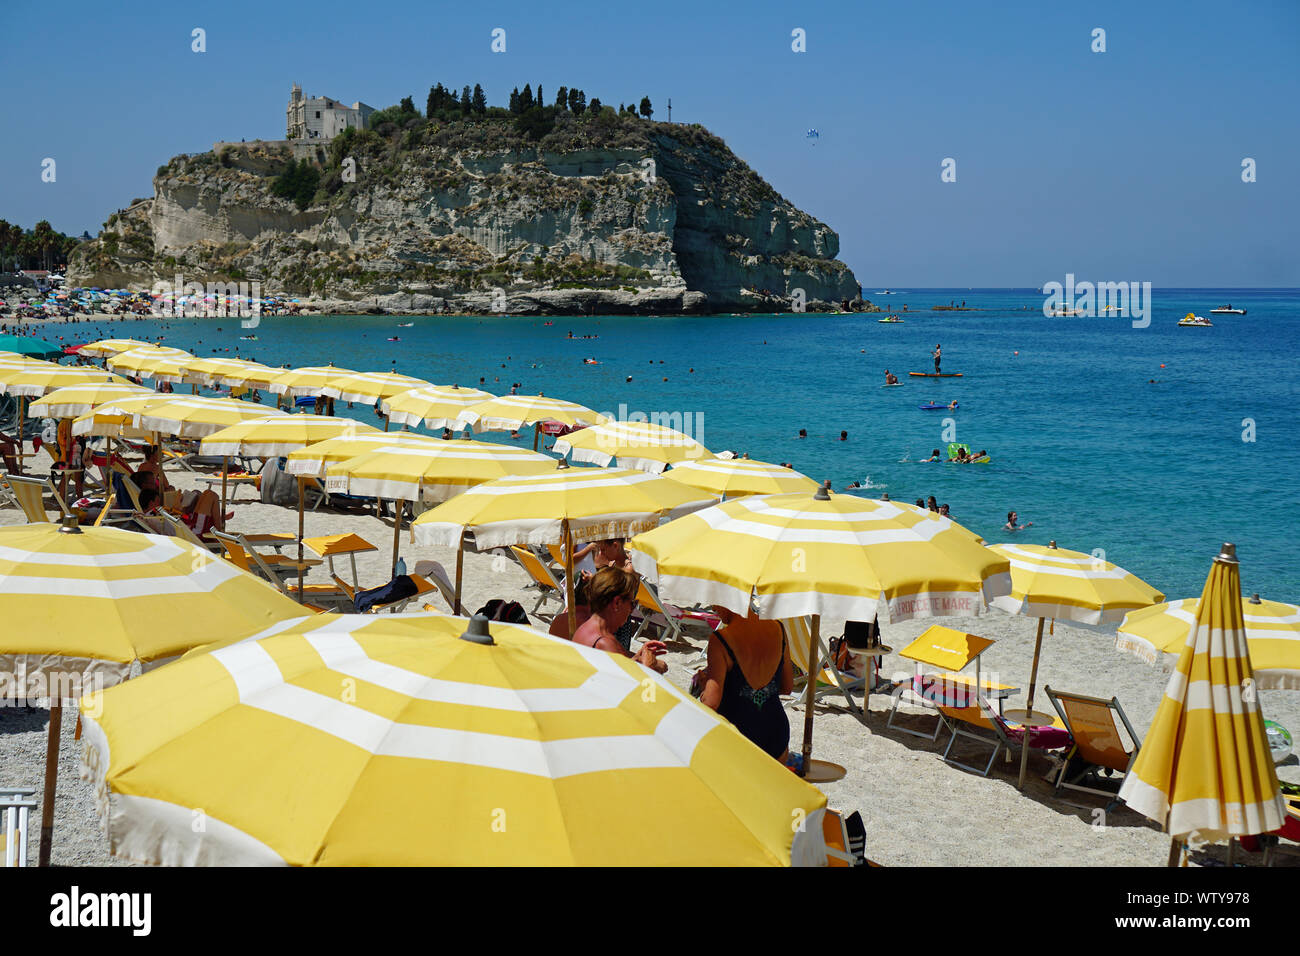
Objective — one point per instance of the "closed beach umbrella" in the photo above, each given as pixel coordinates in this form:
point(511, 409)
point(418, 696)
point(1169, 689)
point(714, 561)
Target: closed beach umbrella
point(74, 400)
point(1272, 634)
point(315, 459)
point(837, 556)
point(1204, 769)
point(506, 748)
point(736, 477)
point(1056, 583)
point(34, 382)
point(84, 605)
point(106, 347)
point(310, 380)
point(437, 406)
point(433, 469)
point(370, 387)
point(557, 506)
point(512, 412)
point(643, 445)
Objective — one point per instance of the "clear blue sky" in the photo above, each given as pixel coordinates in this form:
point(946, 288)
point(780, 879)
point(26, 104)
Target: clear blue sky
point(1115, 166)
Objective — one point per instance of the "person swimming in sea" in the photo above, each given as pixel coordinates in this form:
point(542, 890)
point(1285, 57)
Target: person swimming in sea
point(934, 456)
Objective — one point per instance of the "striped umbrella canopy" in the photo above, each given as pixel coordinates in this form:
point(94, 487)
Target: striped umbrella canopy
point(315, 459)
point(1272, 634)
point(212, 371)
point(437, 406)
point(310, 380)
point(534, 509)
point(29, 346)
point(81, 606)
point(252, 375)
point(10, 361)
point(736, 477)
point(370, 387)
point(1057, 583)
point(821, 555)
point(643, 445)
point(512, 412)
point(139, 360)
point(74, 400)
point(194, 416)
point(29, 381)
point(106, 347)
point(117, 417)
point(504, 746)
point(278, 435)
point(837, 556)
point(435, 470)
point(1047, 581)
point(1204, 769)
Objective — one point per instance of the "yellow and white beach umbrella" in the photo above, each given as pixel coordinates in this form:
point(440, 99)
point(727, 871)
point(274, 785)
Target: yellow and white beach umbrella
point(1272, 634)
point(32, 382)
point(315, 459)
point(437, 406)
point(74, 400)
point(837, 556)
point(1204, 770)
point(135, 361)
point(1047, 581)
point(82, 605)
point(1056, 583)
point(370, 388)
point(510, 748)
point(434, 470)
point(252, 375)
point(643, 445)
point(116, 417)
point(278, 434)
point(512, 412)
point(310, 380)
point(196, 416)
point(107, 347)
point(736, 477)
point(212, 371)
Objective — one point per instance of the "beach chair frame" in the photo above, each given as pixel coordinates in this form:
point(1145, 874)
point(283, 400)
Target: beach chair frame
point(30, 494)
point(844, 683)
point(995, 733)
point(543, 583)
point(16, 808)
point(1116, 710)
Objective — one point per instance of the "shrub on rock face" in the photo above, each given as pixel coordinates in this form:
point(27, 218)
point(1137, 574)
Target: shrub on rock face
point(298, 182)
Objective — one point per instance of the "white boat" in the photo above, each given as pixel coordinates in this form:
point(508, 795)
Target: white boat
point(1198, 320)
point(1227, 310)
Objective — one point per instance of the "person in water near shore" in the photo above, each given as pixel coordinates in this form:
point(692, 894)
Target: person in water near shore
point(934, 456)
point(803, 433)
point(844, 436)
point(884, 496)
point(920, 503)
point(1011, 525)
point(979, 455)
point(932, 504)
point(937, 353)
point(943, 510)
point(890, 378)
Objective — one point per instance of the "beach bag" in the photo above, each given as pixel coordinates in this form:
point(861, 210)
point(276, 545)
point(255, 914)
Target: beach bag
point(508, 611)
point(400, 587)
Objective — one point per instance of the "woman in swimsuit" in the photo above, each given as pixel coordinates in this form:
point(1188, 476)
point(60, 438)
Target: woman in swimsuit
point(749, 669)
point(611, 595)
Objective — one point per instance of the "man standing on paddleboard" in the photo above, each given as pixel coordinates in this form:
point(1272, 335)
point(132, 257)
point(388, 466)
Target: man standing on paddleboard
point(937, 355)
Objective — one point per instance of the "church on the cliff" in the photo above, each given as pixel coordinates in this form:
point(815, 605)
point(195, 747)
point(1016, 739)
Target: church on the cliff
point(321, 118)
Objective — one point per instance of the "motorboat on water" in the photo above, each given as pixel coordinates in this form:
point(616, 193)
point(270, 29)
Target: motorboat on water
point(1192, 318)
point(1227, 310)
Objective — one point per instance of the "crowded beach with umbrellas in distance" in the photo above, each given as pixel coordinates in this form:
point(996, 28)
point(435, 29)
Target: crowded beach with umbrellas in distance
point(441, 649)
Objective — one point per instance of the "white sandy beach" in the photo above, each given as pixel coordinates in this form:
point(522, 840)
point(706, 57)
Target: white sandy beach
point(918, 810)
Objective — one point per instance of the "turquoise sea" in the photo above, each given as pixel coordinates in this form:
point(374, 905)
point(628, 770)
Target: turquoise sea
point(1083, 443)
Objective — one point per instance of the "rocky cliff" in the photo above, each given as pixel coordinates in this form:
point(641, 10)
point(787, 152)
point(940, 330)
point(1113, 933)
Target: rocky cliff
point(600, 213)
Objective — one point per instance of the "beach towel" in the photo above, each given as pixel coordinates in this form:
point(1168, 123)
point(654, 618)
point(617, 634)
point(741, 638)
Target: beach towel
point(400, 587)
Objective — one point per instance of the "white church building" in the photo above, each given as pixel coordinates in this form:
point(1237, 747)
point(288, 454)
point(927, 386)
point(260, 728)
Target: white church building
point(321, 118)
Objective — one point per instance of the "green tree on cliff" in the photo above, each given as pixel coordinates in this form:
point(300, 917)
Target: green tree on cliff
point(407, 105)
point(646, 109)
point(480, 100)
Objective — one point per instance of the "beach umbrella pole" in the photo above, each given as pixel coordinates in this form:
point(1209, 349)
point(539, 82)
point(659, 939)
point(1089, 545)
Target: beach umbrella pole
point(813, 668)
point(22, 416)
point(51, 778)
point(225, 471)
point(1033, 682)
point(568, 579)
point(460, 567)
point(301, 496)
point(397, 531)
point(537, 434)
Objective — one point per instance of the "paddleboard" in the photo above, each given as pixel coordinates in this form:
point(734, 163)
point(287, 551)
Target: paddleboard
point(933, 375)
point(936, 408)
point(892, 385)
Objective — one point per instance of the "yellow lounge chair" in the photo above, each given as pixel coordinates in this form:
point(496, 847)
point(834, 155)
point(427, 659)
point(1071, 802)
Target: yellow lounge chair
point(798, 637)
point(422, 586)
point(30, 494)
point(1104, 741)
point(669, 619)
point(982, 723)
point(544, 583)
point(950, 651)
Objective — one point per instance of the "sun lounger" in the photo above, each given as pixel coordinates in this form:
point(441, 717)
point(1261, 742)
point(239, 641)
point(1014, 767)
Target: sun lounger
point(30, 494)
point(980, 722)
point(16, 807)
point(950, 651)
point(670, 619)
point(798, 637)
point(544, 583)
point(436, 575)
point(422, 586)
point(233, 483)
point(1104, 741)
